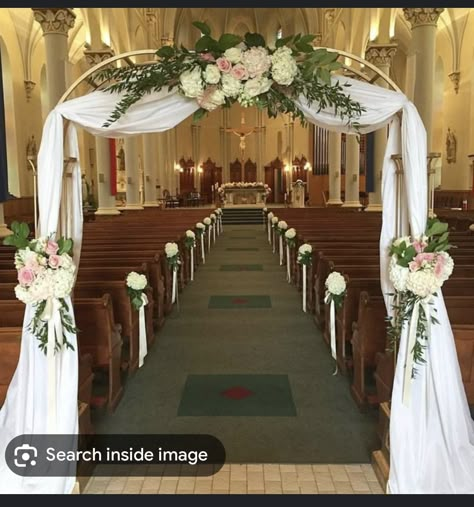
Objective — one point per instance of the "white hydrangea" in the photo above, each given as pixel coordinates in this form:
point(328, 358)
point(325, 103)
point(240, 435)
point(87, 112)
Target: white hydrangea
point(231, 87)
point(256, 86)
point(171, 249)
point(305, 248)
point(63, 282)
point(211, 98)
point(336, 283)
point(448, 266)
point(200, 225)
point(190, 234)
point(270, 215)
point(398, 275)
point(136, 281)
point(24, 295)
point(212, 74)
point(207, 221)
point(234, 55)
point(284, 68)
point(290, 233)
point(275, 220)
point(191, 82)
point(213, 216)
point(282, 225)
point(256, 60)
point(422, 283)
point(405, 239)
point(67, 262)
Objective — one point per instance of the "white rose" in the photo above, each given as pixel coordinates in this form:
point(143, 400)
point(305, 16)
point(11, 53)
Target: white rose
point(405, 239)
point(207, 221)
point(290, 233)
point(211, 98)
point(256, 60)
point(212, 74)
point(335, 283)
point(136, 281)
point(171, 249)
point(190, 234)
point(282, 225)
point(305, 248)
point(233, 55)
point(200, 225)
point(275, 220)
point(257, 86)
point(422, 283)
point(191, 82)
point(270, 216)
point(231, 87)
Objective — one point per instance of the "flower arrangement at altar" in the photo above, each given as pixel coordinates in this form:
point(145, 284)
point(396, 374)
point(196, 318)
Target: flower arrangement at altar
point(281, 227)
point(136, 285)
point(230, 69)
point(335, 289)
point(172, 255)
point(290, 237)
point(418, 268)
point(46, 274)
point(189, 239)
point(267, 190)
point(305, 254)
point(200, 228)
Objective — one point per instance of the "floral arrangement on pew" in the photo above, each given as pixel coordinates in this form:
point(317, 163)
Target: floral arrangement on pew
point(281, 228)
point(418, 268)
point(190, 244)
point(46, 274)
point(200, 229)
point(274, 223)
point(305, 258)
point(290, 239)
point(230, 69)
point(136, 285)
point(213, 218)
point(335, 294)
point(218, 212)
point(174, 261)
point(269, 226)
point(208, 223)
point(264, 217)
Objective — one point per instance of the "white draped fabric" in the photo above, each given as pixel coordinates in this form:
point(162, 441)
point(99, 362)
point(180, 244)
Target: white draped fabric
point(432, 440)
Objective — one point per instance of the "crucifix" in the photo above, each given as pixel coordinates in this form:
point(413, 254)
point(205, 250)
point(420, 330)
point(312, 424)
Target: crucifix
point(243, 132)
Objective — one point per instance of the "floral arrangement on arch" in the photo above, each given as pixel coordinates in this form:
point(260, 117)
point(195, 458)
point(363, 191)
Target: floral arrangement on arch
point(220, 72)
point(136, 285)
point(418, 268)
point(46, 274)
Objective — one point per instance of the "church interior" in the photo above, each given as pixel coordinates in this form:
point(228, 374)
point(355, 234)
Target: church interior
point(235, 336)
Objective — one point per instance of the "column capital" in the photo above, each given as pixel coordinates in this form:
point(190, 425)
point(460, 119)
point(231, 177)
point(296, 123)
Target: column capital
point(55, 20)
point(381, 54)
point(455, 78)
point(422, 16)
point(29, 87)
point(96, 56)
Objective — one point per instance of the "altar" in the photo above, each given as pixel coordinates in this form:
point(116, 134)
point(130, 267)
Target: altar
point(254, 196)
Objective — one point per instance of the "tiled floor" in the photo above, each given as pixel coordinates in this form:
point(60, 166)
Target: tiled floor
point(243, 479)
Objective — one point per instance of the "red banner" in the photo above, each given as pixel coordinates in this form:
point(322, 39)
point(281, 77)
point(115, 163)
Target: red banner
point(113, 167)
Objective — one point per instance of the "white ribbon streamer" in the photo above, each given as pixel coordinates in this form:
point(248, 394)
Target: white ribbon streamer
point(214, 232)
point(51, 314)
point(288, 267)
point(221, 223)
point(273, 240)
point(209, 238)
point(263, 220)
point(203, 254)
point(332, 324)
point(175, 280)
point(304, 287)
point(143, 345)
point(192, 263)
point(269, 228)
point(281, 249)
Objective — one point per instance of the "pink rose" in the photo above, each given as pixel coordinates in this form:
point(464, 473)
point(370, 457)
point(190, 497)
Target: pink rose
point(419, 246)
point(54, 261)
point(239, 72)
point(208, 57)
point(52, 247)
point(26, 277)
point(223, 65)
point(413, 265)
point(439, 266)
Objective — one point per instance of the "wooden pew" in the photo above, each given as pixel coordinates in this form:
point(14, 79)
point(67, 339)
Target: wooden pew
point(10, 341)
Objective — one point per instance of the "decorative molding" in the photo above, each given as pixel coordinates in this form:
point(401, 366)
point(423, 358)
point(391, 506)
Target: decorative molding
point(53, 20)
point(29, 87)
point(380, 54)
point(318, 40)
point(167, 40)
point(330, 14)
point(150, 15)
point(455, 78)
point(96, 56)
point(422, 16)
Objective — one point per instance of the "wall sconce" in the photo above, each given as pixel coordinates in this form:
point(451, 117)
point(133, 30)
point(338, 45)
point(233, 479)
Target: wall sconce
point(200, 169)
point(181, 170)
point(287, 168)
point(307, 166)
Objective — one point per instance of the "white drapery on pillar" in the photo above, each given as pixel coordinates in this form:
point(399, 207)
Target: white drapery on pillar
point(432, 441)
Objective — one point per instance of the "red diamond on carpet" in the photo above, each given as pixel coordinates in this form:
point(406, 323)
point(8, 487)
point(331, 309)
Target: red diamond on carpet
point(240, 301)
point(237, 393)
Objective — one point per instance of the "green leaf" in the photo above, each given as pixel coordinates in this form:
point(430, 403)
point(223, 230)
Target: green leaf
point(9, 240)
point(303, 47)
point(200, 113)
point(254, 40)
point(283, 42)
point(203, 44)
point(410, 253)
point(329, 57)
point(202, 27)
point(334, 66)
point(166, 52)
point(307, 38)
point(324, 75)
point(436, 228)
point(65, 245)
point(229, 40)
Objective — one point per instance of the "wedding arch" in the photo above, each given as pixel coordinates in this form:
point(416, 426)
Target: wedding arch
point(431, 440)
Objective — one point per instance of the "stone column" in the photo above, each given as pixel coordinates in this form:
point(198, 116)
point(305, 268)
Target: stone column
point(162, 163)
point(352, 172)
point(423, 25)
point(334, 157)
point(106, 201)
point(55, 23)
point(149, 170)
point(132, 176)
point(4, 230)
point(381, 56)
